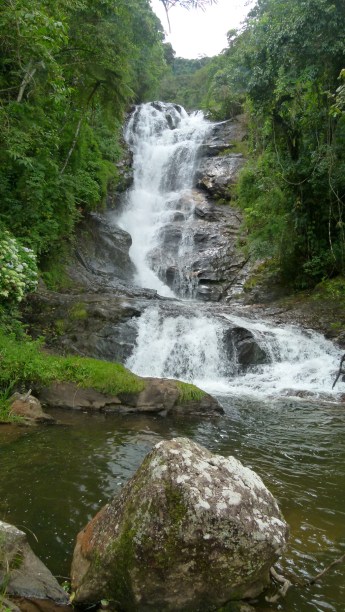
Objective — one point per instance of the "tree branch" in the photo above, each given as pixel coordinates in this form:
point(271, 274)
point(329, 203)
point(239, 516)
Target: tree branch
point(321, 574)
point(26, 80)
point(77, 132)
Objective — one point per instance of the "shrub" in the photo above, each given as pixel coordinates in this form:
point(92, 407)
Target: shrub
point(18, 269)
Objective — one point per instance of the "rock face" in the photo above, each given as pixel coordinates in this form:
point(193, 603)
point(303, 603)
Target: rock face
point(199, 254)
point(23, 574)
point(217, 175)
point(102, 252)
point(159, 396)
point(100, 325)
point(190, 531)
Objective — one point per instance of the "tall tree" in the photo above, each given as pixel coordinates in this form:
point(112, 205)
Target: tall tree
point(287, 62)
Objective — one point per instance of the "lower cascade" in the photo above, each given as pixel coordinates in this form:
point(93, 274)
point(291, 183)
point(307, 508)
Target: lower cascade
point(205, 350)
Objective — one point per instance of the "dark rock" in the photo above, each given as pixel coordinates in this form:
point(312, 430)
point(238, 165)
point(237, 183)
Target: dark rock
point(203, 249)
point(240, 342)
point(24, 575)
point(190, 531)
point(102, 252)
point(94, 325)
point(170, 236)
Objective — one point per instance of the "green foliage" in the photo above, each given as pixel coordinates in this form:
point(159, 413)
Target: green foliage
point(186, 82)
point(24, 363)
point(286, 64)
point(68, 71)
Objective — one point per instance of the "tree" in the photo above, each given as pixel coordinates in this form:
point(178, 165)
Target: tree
point(68, 72)
point(287, 62)
point(187, 4)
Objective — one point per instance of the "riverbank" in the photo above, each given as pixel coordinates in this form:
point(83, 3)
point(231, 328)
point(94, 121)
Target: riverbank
point(321, 308)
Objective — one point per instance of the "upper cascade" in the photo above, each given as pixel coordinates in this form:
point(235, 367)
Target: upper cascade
point(165, 141)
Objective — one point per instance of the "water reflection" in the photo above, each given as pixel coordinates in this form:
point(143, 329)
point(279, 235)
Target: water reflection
point(54, 479)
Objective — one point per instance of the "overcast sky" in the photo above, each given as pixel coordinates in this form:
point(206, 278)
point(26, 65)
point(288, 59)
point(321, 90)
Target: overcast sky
point(195, 33)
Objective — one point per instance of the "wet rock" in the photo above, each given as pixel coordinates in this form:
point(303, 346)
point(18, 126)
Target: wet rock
point(248, 353)
point(24, 575)
point(190, 531)
point(159, 396)
point(101, 252)
point(199, 257)
point(29, 408)
point(89, 324)
point(224, 135)
point(216, 174)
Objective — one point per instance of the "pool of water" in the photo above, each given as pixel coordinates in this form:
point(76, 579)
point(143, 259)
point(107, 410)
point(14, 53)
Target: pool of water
point(54, 479)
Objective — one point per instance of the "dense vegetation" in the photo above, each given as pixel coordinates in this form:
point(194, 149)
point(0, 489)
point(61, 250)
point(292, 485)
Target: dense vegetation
point(287, 70)
point(68, 71)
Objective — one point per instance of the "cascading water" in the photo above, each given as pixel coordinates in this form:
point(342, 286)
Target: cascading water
point(191, 340)
point(192, 348)
point(165, 142)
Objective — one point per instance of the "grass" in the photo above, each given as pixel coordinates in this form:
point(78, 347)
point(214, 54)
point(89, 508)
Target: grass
point(189, 392)
point(24, 364)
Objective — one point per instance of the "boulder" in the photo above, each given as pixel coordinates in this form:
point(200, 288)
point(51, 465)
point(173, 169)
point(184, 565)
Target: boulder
point(24, 575)
point(241, 345)
point(216, 174)
point(190, 531)
point(101, 252)
point(160, 396)
point(29, 409)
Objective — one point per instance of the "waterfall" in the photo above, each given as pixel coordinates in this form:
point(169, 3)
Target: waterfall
point(164, 140)
point(194, 341)
point(300, 363)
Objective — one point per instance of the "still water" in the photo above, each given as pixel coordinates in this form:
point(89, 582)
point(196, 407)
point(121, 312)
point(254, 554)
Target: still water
point(54, 479)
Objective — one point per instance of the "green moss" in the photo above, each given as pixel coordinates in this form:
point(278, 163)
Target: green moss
point(24, 363)
point(333, 289)
point(120, 586)
point(189, 392)
point(240, 146)
point(53, 270)
point(78, 311)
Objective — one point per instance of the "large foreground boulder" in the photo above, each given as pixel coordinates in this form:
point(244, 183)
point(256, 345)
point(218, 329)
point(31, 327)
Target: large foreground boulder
point(24, 577)
point(190, 531)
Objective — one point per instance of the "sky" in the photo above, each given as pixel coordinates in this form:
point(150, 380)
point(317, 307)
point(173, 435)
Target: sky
point(196, 33)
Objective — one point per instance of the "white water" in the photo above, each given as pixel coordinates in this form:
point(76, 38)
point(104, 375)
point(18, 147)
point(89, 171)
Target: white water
point(189, 344)
point(302, 362)
point(164, 140)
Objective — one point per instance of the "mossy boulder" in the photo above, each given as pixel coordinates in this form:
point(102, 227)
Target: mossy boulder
point(152, 395)
point(190, 531)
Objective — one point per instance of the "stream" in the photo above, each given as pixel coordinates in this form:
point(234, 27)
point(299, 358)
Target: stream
point(282, 417)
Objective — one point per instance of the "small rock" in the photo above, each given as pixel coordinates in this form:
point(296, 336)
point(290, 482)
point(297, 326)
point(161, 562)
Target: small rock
point(23, 573)
point(29, 408)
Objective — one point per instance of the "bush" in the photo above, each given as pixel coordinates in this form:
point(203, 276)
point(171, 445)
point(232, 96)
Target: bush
point(18, 270)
